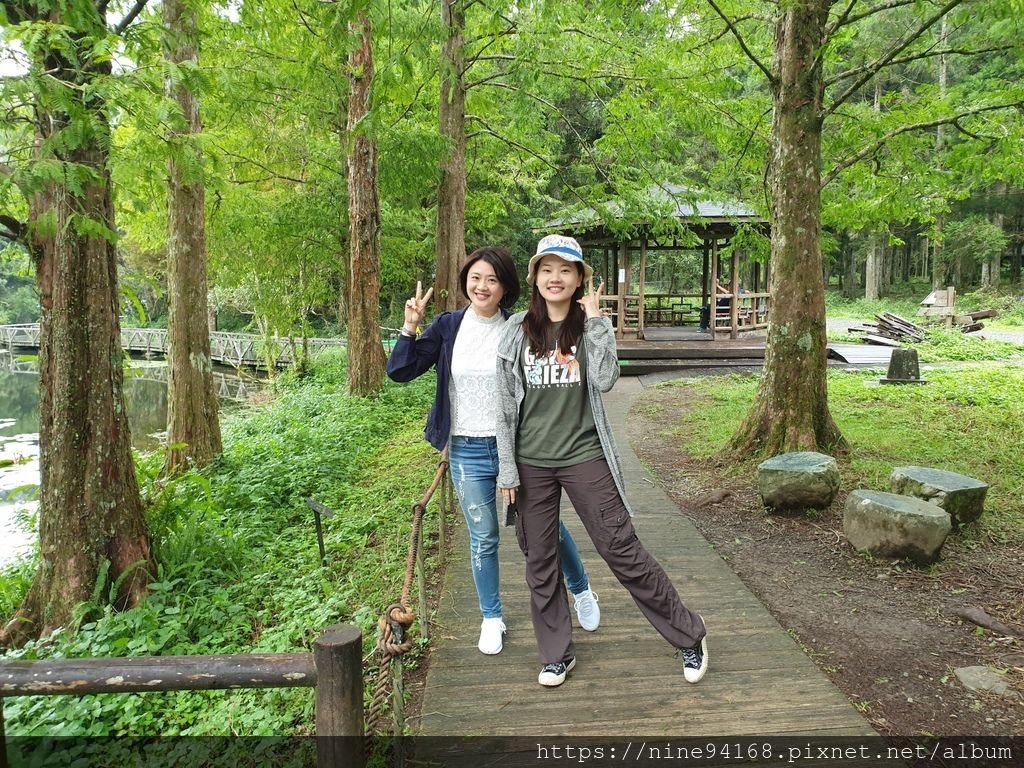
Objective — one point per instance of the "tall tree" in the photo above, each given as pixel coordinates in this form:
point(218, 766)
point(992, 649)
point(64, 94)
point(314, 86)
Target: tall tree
point(193, 426)
point(790, 410)
point(939, 267)
point(365, 352)
point(450, 244)
point(91, 530)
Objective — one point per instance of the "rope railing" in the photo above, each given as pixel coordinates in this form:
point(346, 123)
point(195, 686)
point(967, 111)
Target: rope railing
point(394, 636)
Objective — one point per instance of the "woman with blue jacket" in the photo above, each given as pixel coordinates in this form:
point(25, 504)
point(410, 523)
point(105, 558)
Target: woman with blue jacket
point(462, 345)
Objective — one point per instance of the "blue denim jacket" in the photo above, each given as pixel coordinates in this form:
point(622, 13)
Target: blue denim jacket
point(413, 357)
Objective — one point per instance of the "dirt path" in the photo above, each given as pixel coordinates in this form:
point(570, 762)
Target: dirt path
point(885, 633)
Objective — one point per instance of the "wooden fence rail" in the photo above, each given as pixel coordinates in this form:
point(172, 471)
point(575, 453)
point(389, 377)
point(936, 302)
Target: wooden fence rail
point(334, 669)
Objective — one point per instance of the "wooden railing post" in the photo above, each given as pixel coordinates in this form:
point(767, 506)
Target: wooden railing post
point(337, 656)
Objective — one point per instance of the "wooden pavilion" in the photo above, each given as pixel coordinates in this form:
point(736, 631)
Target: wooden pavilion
point(734, 292)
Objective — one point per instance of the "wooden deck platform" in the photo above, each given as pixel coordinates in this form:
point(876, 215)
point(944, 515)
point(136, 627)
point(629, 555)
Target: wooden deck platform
point(627, 681)
point(672, 350)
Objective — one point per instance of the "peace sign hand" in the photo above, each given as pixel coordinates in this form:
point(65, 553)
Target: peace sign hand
point(416, 307)
point(591, 301)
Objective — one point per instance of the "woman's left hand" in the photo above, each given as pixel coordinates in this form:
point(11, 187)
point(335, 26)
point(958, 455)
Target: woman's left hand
point(591, 301)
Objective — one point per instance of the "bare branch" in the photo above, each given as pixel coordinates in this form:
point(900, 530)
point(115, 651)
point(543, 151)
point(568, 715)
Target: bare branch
point(136, 9)
point(845, 20)
point(484, 80)
point(871, 70)
point(412, 103)
point(975, 136)
point(101, 7)
point(271, 173)
point(743, 43)
point(918, 56)
point(302, 20)
point(840, 20)
point(881, 142)
point(511, 30)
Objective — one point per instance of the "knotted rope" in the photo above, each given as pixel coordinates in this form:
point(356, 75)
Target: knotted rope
point(393, 635)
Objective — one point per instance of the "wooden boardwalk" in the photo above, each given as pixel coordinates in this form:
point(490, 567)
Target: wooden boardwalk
point(627, 681)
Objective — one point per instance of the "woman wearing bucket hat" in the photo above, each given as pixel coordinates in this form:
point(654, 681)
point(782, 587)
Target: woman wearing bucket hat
point(554, 361)
point(462, 346)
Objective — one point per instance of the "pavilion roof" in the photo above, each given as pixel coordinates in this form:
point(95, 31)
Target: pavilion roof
point(686, 204)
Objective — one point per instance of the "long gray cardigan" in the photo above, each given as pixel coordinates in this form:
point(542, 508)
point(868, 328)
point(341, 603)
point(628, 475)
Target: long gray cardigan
point(602, 373)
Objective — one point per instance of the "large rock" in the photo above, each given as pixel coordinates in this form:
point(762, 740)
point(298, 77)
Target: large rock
point(798, 480)
point(890, 525)
point(961, 496)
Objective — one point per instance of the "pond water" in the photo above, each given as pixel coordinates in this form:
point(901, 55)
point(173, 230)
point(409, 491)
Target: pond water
point(145, 393)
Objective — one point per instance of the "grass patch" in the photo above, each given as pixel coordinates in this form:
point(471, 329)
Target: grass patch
point(838, 306)
point(239, 568)
point(968, 419)
point(942, 345)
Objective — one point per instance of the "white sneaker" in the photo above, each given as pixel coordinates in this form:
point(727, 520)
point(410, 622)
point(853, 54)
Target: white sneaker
point(587, 610)
point(491, 632)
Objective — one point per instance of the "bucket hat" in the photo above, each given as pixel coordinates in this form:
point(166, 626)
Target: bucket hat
point(565, 248)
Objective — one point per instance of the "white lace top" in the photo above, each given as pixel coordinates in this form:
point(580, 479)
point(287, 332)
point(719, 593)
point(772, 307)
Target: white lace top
point(472, 387)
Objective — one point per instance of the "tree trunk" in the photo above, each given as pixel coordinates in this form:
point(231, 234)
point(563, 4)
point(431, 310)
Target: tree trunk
point(992, 266)
point(850, 263)
point(450, 247)
point(938, 258)
point(91, 530)
point(1016, 254)
point(365, 352)
point(193, 426)
point(873, 267)
point(790, 410)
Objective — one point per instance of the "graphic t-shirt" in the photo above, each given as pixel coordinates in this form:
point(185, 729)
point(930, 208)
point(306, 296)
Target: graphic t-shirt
point(556, 425)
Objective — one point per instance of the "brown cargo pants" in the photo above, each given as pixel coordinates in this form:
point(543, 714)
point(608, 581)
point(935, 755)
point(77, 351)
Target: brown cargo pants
point(592, 491)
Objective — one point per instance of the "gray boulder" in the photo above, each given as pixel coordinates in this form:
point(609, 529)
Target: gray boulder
point(961, 496)
point(983, 679)
point(799, 480)
point(889, 525)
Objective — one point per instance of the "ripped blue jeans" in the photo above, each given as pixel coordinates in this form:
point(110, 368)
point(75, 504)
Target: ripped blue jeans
point(474, 467)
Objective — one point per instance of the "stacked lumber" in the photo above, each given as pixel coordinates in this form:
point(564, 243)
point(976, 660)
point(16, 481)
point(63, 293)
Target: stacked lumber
point(889, 330)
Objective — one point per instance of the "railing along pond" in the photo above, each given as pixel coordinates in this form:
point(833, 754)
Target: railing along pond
point(228, 348)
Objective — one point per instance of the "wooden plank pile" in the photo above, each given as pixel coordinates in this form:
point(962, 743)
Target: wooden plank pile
point(889, 329)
